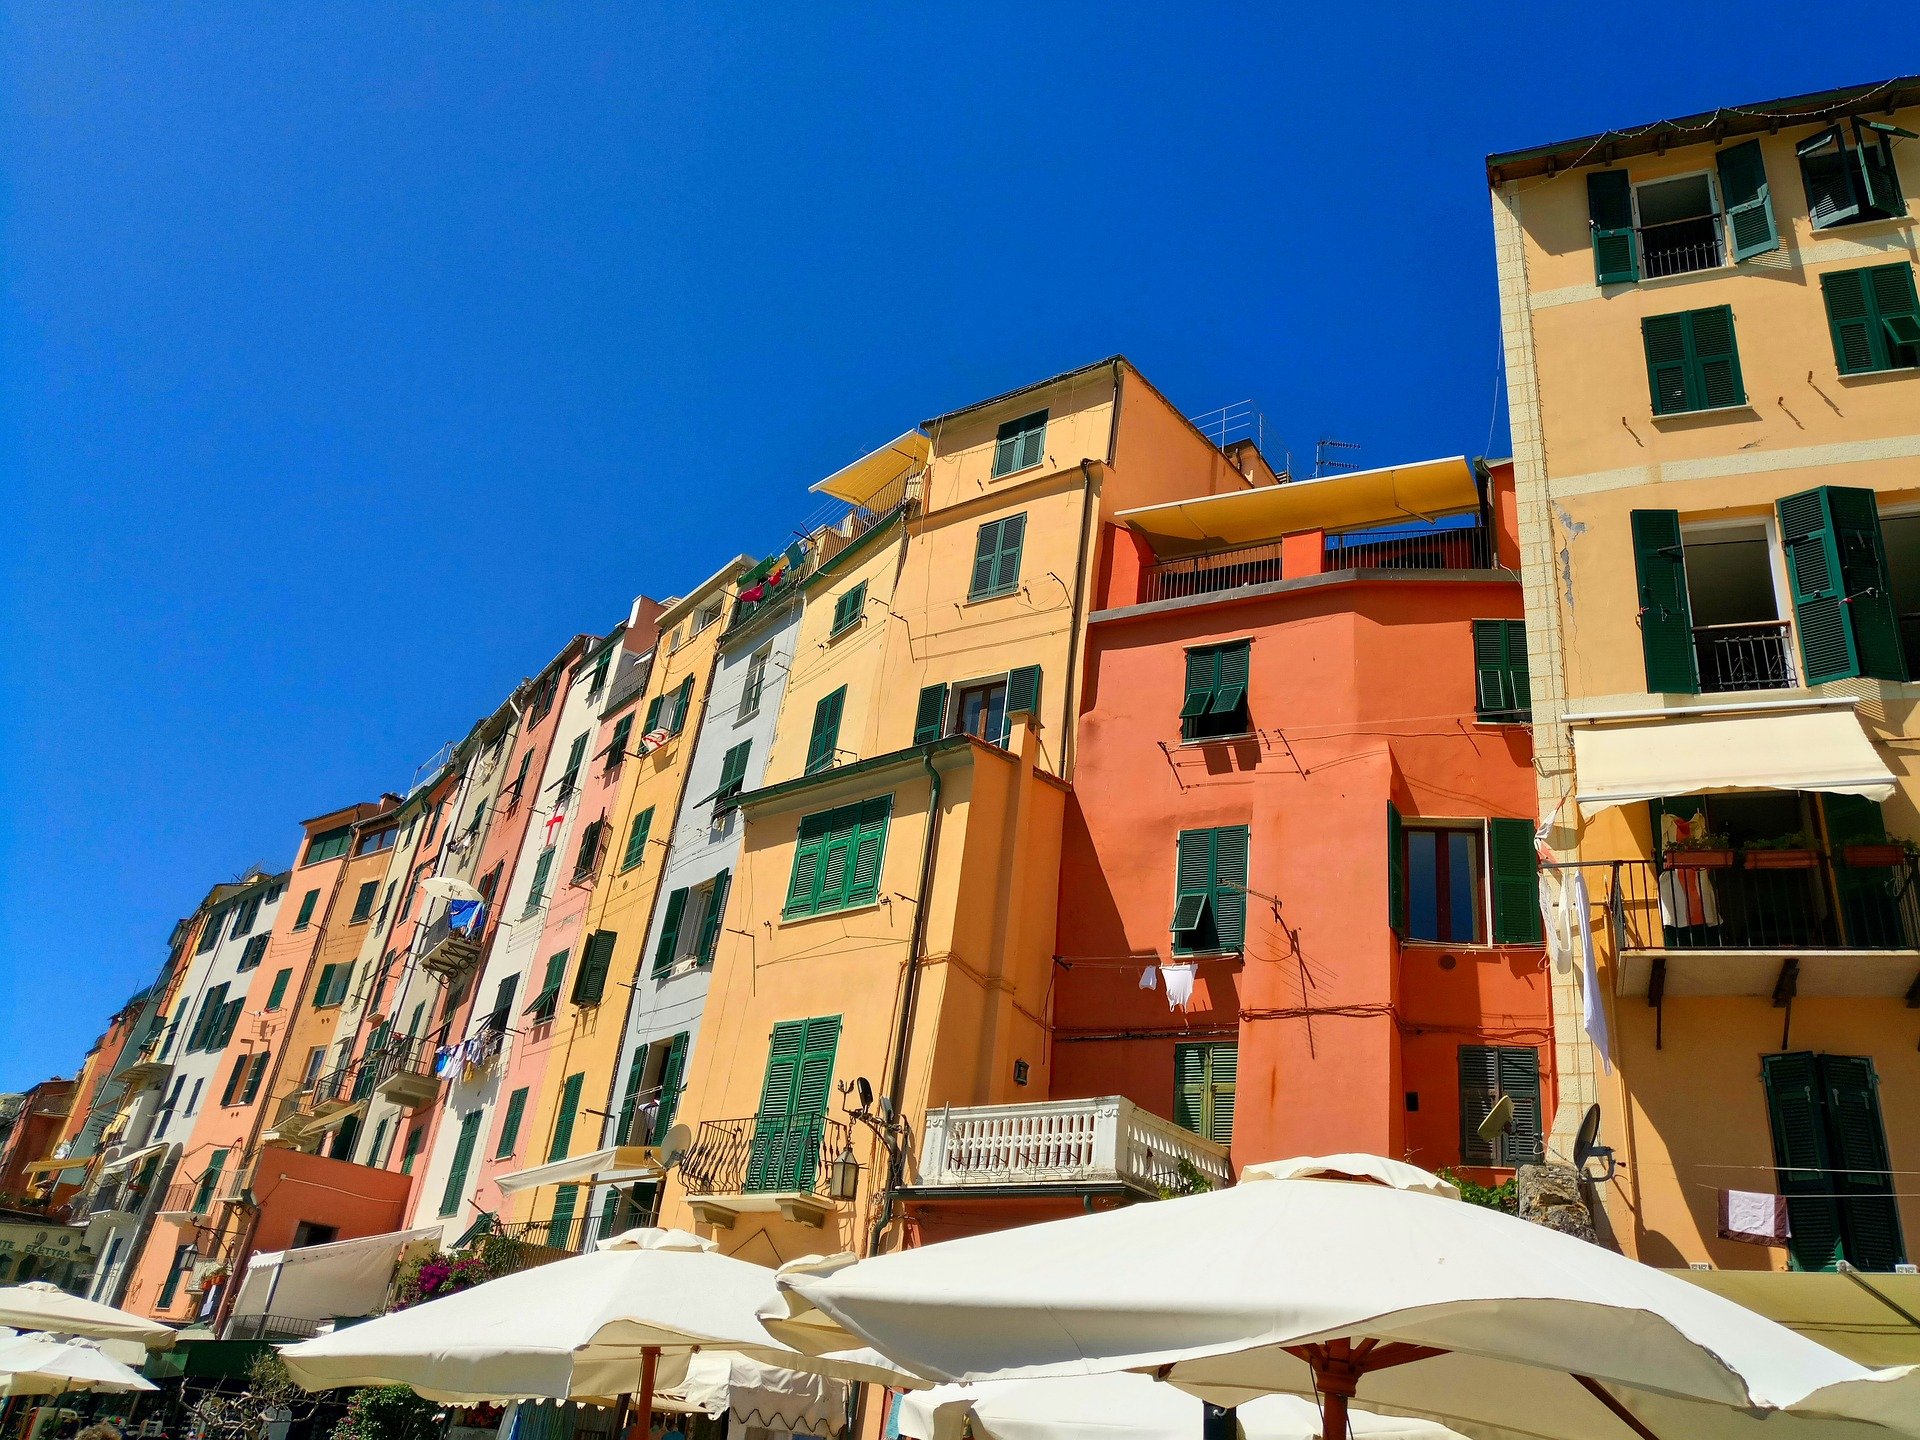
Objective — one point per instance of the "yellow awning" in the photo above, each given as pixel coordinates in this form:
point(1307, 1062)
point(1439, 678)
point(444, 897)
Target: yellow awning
point(1335, 502)
point(866, 477)
point(41, 1167)
point(1867, 1318)
point(1705, 753)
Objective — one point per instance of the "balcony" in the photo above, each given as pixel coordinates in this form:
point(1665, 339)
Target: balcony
point(147, 1069)
point(181, 1205)
point(449, 953)
point(1448, 545)
point(270, 1327)
point(402, 1073)
point(1103, 1143)
point(1216, 571)
point(1780, 923)
point(1755, 655)
point(738, 1166)
point(1680, 247)
point(334, 1093)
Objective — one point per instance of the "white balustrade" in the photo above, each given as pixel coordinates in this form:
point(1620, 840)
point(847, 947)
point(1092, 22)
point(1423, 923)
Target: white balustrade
point(1104, 1140)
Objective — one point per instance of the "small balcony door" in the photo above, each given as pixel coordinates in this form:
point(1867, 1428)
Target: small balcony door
point(1736, 592)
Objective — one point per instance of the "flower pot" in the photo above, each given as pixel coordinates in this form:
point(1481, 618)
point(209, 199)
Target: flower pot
point(1874, 856)
point(1700, 859)
point(1782, 859)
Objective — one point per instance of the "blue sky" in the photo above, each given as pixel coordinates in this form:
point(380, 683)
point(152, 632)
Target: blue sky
point(356, 356)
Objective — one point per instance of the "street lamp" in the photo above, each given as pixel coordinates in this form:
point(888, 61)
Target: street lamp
point(843, 1176)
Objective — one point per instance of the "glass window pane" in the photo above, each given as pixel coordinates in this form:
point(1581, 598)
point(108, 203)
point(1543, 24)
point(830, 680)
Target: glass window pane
point(1463, 886)
point(1423, 885)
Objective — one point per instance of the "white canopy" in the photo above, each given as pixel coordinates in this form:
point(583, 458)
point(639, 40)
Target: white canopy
point(1823, 748)
point(1118, 1406)
point(1441, 1310)
point(1394, 1174)
point(619, 1162)
point(622, 1320)
point(49, 1365)
point(40, 1306)
point(769, 1397)
point(319, 1282)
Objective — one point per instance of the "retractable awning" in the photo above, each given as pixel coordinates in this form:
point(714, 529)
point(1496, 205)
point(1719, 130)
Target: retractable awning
point(1868, 1318)
point(621, 1162)
point(870, 474)
point(135, 1157)
point(44, 1167)
point(319, 1282)
point(1822, 748)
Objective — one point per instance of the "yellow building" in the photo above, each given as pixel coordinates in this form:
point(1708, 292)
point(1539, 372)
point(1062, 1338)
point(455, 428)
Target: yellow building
point(889, 939)
point(1711, 339)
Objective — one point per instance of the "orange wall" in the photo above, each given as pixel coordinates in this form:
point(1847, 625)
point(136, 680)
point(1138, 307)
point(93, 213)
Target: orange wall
point(1362, 692)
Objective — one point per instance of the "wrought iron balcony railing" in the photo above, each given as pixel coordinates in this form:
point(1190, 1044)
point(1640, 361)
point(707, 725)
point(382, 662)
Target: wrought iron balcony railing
point(757, 1156)
point(1213, 572)
point(1412, 547)
point(1766, 900)
point(1756, 655)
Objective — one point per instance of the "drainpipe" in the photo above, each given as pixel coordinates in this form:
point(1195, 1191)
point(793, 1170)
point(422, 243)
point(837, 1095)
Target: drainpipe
point(909, 994)
point(1069, 749)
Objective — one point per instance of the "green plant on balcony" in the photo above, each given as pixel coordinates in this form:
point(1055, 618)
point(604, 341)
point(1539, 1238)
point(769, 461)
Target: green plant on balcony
point(389, 1412)
point(1712, 851)
point(1504, 1197)
point(1886, 854)
point(1795, 850)
point(442, 1273)
point(1187, 1179)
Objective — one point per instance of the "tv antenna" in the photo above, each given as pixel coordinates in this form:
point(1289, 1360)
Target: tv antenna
point(1323, 462)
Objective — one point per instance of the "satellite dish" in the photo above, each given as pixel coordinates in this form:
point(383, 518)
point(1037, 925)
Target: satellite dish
point(677, 1142)
point(1587, 1146)
point(865, 1091)
point(1498, 1121)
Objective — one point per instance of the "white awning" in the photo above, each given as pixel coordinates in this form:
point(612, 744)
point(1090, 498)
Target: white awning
point(622, 1162)
point(318, 1282)
point(135, 1158)
point(1705, 753)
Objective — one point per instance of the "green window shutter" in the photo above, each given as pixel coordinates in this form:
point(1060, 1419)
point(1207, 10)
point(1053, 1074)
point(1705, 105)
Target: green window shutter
point(1006, 565)
point(1867, 584)
point(1203, 670)
point(1492, 698)
point(233, 1081)
point(1396, 872)
point(342, 980)
point(848, 609)
point(1518, 1070)
point(630, 1099)
point(278, 993)
point(682, 703)
point(824, 744)
point(510, 1127)
point(1666, 615)
point(1668, 368)
point(1034, 441)
point(836, 860)
point(670, 932)
point(1716, 359)
point(323, 985)
point(596, 958)
point(569, 1108)
point(716, 915)
point(1858, 343)
point(256, 951)
point(363, 902)
point(986, 548)
point(653, 714)
point(1610, 217)
point(560, 1223)
point(930, 716)
point(537, 892)
point(1230, 844)
point(1796, 1114)
point(637, 839)
point(803, 890)
point(209, 1182)
point(1194, 926)
point(1023, 690)
point(1020, 444)
point(733, 773)
point(868, 849)
point(255, 1075)
point(1479, 1090)
point(1223, 1066)
point(1863, 1171)
point(1230, 678)
point(1748, 199)
point(673, 1073)
point(1515, 873)
point(462, 1160)
point(617, 743)
point(307, 902)
point(776, 1105)
point(229, 1018)
point(1519, 679)
point(1842, 600)
point(1190, 1087)
point(1827, 170)
point(1898, 305)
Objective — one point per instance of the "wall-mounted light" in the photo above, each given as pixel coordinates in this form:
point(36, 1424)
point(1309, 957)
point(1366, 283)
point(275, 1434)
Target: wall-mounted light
point(1020, 1072)
point(843, 1176)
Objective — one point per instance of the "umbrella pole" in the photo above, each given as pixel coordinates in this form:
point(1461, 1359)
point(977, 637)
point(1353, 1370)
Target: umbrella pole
point(1626, 1416)
point(649, 1359)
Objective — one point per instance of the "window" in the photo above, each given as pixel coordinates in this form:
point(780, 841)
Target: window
point(755, 683)
point(244, 916)
point(334, 980)
point(328, 845)
point(588, 856)
point(411, 1152)
point(363, 902)
point(733, 775)
point(637, 839)
point(837, 862)
point(1020, 444)
point(210, 933)
point(616, 750)
point(1210, 890)
point(668, 711)
point(183, 1256)
point(596, 958)
point(1672, 225)
point(570, 777)
point(1502, 692)
point(706, 616)
point(597, 681)
point(462, 1161)
point(1444, 874)
point(848, 610)
point(519, 785)
point(205, 1034)
point(1709, 611)
point(996, 558)
point(1874, 316)
point(316, 1057)
point(823, 745)
point(510, 1126)
point(569, 1111)
point(1215, 704)
point(1487, 1074)
point(690, 929)
point(547, 998)
point(1438, 881)
point(1679, 225)
point(1842, 595)
point(1692, 361)
point(673, 1069)
point(256, 1072)
point(307, 902)
point(1830, 1145)
point(375, 841)
point(234, 1077)
point(1203, 1077)
point(981, 711)
point(1845, 183)
point(275, 996)
point(255, 951)
point(789, 1128)
point(537, 892)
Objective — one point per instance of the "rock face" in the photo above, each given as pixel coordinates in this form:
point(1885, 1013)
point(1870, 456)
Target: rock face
point(1550, 1195)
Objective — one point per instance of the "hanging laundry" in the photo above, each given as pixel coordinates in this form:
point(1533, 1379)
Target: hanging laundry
point(1687, 896)
point(446, 1062)
point(1149, 979)
point(754, 593)
point(1754, 1217)
point(465, 916)
point(554, 822)
point(1593, 1014)
point(1553, 917)
point(1178, 979)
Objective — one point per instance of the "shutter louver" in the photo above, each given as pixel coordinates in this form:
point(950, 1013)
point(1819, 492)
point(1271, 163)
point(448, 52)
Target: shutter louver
point(716, 913)
point(986, 552)
point(1396, 872)
point(1479, 1091)
point(1898, 307)
point(462, 1159)
point(929, 719)
point(1744, 191)
point(569, 1109)
point(1203, 668)
point(1189, 1087)
point(1194, 878)
point(672, 1076)
point(1610, 218)
point(1827, 171)
point(824, 743)
point(1800, 1154)
point(596, 958)
point(1715, 358)
point(1023, 690)
point(1515, 871)
point(1230, 887)
point(1666, 615)
point(1665, 339)
point(1863, 1171)
point(1230, 679)
point(1490, 668)
point(637, 839)
point(510, 1127)
point(869, 843)
point(1223, 1065)
point(1855, 347)
point(776, 1104)
point(663, 957)
point(1518, 1071)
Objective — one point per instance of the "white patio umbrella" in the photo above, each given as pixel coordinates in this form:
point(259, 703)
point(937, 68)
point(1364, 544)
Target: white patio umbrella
point(1118, 1406)
point(1424, 1306)
point(49, 1365)
point(757, 1394)
point(40, 1306)
point(602, 1326)
point(446, 887)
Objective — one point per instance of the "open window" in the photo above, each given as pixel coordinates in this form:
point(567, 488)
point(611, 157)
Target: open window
point(1849, 173)
point(1678, 220)
point(1900, 533)
point(1740, 637)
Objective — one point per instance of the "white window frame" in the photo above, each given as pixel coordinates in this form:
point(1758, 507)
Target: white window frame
point(1719, 225)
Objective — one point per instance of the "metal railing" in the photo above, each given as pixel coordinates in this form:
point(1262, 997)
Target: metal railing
point(1680, 246)
point(1752, 655)
point(1766, 900)
point(755, 1156)
point(880, 506)
point(1241, 420)
point(447, 951)
point(1104, 1139)
point(271, 1327)
point(1213, 572)
point(1412, 547)
point(522, 1244)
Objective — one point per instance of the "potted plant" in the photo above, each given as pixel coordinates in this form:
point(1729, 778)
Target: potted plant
point(1878, 854)
point(1796, 850)
point(1700, 852)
